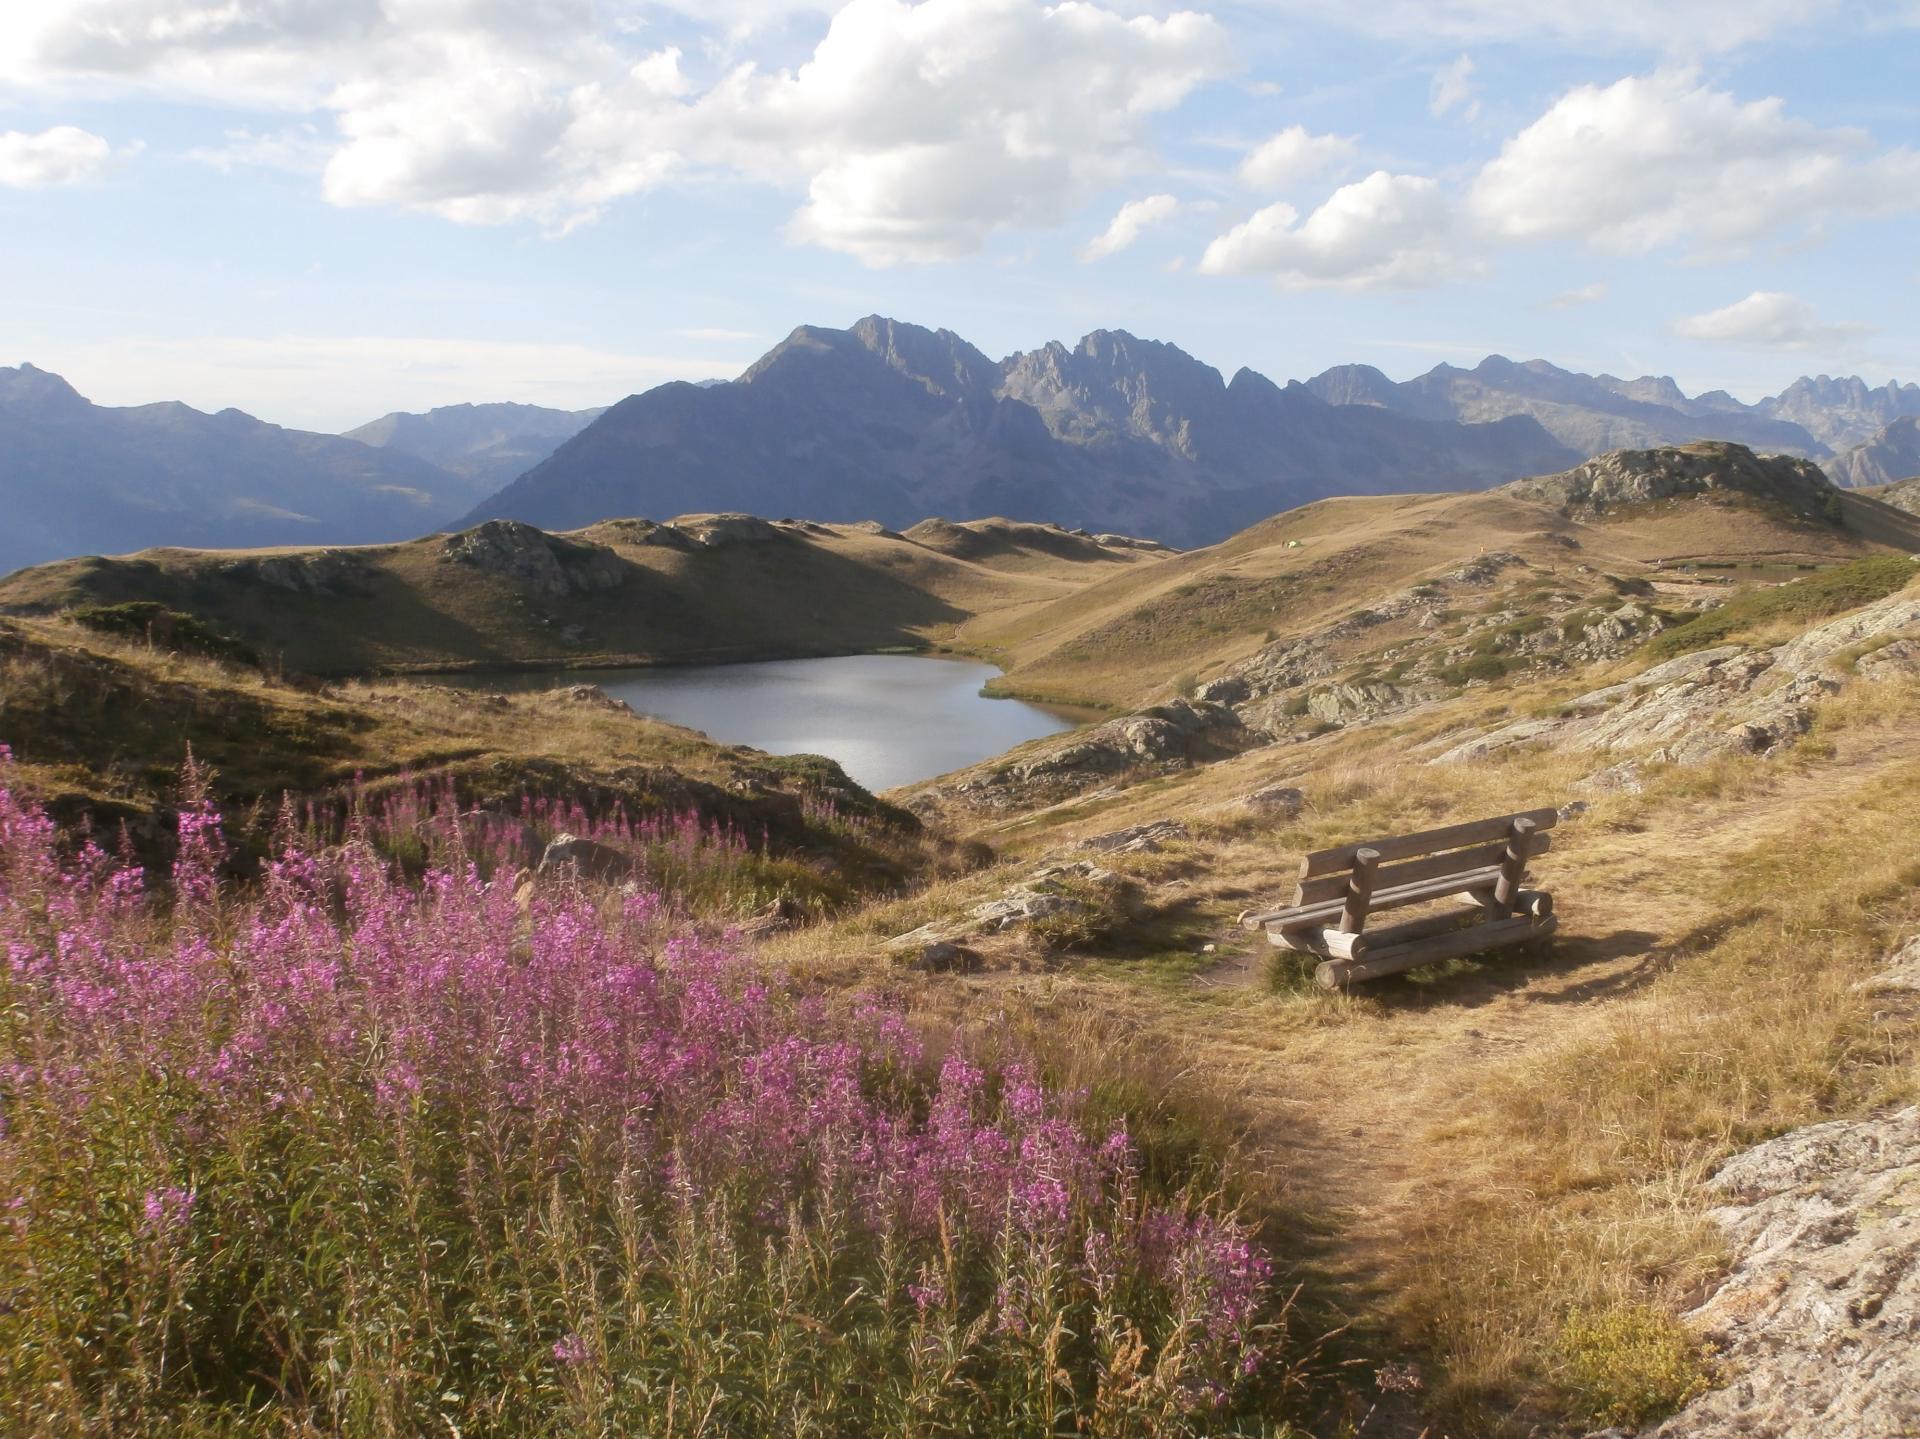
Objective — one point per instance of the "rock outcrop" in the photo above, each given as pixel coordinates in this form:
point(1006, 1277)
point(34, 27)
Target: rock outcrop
point(1631, 477)
point(714, 531)
point(1724, 700)
point(1156, 740)
point(544, 563)
point(1816, 1322)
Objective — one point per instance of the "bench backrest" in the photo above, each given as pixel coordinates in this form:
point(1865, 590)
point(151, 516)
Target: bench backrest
point(1434, 854)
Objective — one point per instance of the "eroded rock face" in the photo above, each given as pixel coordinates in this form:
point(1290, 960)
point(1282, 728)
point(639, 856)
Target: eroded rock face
point(1165, 737)
point(542, 562)
point(1727, 700)
point(1818, 1323)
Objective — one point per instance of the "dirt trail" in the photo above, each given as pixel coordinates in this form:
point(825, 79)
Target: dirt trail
point(1348, 1110)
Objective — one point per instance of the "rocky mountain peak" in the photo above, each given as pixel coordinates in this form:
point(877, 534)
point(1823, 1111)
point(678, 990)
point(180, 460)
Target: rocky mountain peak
point(1354, 385)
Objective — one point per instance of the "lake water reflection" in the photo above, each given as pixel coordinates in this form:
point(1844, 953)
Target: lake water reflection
point(889, 719)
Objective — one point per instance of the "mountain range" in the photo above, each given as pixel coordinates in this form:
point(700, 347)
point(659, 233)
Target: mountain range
point(485, 444)
point(76, 478)
point(892, 422)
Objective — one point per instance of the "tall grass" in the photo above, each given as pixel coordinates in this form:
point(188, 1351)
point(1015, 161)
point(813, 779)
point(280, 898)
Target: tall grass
point(346, 1153)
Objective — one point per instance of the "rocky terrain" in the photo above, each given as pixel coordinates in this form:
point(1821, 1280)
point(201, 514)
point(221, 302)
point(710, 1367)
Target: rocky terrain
point(1813, 1325)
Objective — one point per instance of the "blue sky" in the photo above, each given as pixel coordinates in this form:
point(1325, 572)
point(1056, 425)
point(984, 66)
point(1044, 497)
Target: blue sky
point(320, 210)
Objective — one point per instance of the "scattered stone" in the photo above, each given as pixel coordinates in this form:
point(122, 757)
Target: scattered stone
point(1573, 810)
point(597, 697)
point(945, 957)
point(781, 914)
point(1623, 778)
point(1276, 801)
point(587, 858)
point(1139, 839)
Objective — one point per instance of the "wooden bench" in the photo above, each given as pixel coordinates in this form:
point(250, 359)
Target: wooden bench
point(1341, 889)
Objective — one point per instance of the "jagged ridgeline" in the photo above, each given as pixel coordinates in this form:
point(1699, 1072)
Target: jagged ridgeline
point(891, 422)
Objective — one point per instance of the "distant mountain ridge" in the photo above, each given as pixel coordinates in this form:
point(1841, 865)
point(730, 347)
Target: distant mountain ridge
point(1893, 454)
point(895, 422)
point(486, 444)
point(78, 478)
point(1592, 414)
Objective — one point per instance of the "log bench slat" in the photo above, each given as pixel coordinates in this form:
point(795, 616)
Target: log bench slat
point(1481, 831)
point(1436, 866)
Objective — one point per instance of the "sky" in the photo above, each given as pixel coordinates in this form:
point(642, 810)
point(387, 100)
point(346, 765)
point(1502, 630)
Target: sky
point(322, 210)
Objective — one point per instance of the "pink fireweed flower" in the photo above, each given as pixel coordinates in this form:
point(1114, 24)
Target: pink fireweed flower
point(169, 1210)
point(571, 1349)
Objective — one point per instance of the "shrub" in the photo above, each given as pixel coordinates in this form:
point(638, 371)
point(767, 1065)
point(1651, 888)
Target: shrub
point(164, 628)
point(346, 1154)
point(1630, 1363)
point(1818, 596)
point(1477, 667)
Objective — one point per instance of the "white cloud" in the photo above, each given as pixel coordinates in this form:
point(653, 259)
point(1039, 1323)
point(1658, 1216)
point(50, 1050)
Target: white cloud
point(1572, 299)
point(1133, 218)
point(334, 382)
point(1768, 320)
point(1662, 160)
point(715, 334)
point(1689, 28)
point(1453, 89)
point(1291, 156)
point(64, 155)
point(1384, 232)
point(915, 130)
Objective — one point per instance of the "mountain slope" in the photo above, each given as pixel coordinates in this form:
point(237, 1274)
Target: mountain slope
point(485, 444)
point(1893, 454)
point(893, 422)
point(78, 478)
point(1588, 413)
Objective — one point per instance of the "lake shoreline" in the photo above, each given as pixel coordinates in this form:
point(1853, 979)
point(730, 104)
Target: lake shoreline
point(888, 719)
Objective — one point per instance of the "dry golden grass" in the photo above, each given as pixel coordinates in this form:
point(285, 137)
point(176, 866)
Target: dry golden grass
point(1499, 1165)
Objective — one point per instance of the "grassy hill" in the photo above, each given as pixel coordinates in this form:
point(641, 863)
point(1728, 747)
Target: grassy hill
point(1124, 640)
point(505, 595)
